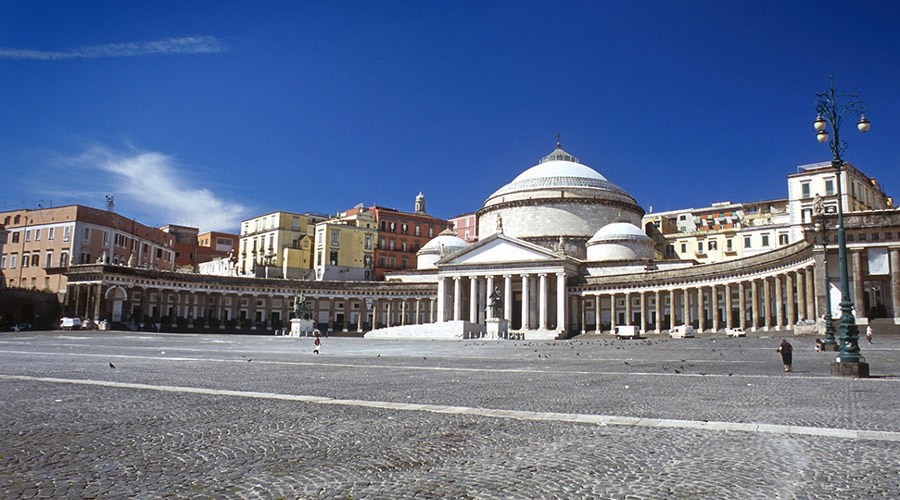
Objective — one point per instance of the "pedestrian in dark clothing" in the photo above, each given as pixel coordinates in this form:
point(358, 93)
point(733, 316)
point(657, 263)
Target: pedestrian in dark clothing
point(317, 342)
point(787, 351)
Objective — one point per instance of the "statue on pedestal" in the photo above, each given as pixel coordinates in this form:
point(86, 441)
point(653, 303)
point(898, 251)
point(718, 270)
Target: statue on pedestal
point(496, 304)
point(301, 308)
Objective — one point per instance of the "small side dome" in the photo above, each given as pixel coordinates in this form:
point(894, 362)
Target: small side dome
point(441, 245)
point(619, 241)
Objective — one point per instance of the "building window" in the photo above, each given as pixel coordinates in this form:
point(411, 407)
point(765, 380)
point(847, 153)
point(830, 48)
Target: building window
point(25, 259)
point(403, 246)
point(37, 235)
point(782, 239)
point(48, 258)
point(765, 240)
point(404, 263)
point(729, 245)
point(804, 190)
point(105, 238)
point(3, 262)
point(333, 258)
point(368, 243)
point(700, 247)
point(684, 248)
point(64, 259)
point(712, 245)
point(381, 261)
point(335, 237)
point(829, 187)
point(15, 237)
point(86, 236)
point(430, 232)
point(27, 235)
point(746, 242)
point(670, 251)
point(404, 229)
point(418, 230)
point(12, 260)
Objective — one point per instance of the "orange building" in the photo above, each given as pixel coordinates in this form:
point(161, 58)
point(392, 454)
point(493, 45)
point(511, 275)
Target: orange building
point(401, 235)
point(43, 242)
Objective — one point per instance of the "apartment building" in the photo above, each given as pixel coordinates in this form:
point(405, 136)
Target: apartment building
point(345, 247)
point(278, 245)
point(401, 235)
point(52, 239)
point(465, 226)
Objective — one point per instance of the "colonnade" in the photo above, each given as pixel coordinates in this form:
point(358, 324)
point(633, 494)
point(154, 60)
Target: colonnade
point(751, 303)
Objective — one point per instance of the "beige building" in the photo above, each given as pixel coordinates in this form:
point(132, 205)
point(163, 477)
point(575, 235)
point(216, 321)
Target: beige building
point(345, 247)
point(278, 244)
point(56, 238)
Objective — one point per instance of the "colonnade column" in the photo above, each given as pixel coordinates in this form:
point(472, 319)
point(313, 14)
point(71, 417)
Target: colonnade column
point(686, 298)
point(810, 294)
point(801, 294)
point(561, 294)
point(858, 299)
point(779, 304)
point(714, 307)
point(729, 319)
point(701, 317)
point(597, 314)
point(754, 298)
point(789, 296)
point(672, 315)
point(767, 303)
point(895, 281)
point(742, 306)
point(418, 309)
point(403, 311)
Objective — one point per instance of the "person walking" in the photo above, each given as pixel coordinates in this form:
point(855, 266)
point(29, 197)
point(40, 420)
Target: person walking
point(317, 342)
point(787, 351)
point(869, 333)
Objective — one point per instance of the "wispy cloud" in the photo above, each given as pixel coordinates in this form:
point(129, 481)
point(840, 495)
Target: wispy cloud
point(181, 45)
point(153, 188)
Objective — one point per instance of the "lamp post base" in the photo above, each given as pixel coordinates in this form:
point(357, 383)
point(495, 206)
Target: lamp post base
point(856, 370)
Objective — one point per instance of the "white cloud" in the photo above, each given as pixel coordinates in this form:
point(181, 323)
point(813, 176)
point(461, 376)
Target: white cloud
point(154, 190)
point(181, 45)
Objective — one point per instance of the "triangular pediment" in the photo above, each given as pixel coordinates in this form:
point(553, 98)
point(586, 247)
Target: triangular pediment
point(498, 249)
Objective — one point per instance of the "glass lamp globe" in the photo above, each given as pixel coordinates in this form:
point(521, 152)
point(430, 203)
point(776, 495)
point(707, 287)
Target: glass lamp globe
point(863, 124)
point(822, 136)
point(819, 124)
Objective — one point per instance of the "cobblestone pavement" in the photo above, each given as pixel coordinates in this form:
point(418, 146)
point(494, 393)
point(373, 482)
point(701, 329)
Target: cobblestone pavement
point(229, 416)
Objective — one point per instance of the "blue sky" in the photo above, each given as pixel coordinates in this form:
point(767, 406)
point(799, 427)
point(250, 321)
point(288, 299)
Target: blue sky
point(210, 112)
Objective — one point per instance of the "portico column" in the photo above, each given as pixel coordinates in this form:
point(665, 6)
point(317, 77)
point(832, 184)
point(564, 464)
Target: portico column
point(561, 294)
point(403, 311)
point(375, 322)
point(507, 297)
point(729, 317)
point(810, 294)
point(418, 319)
point(754, 299)
point(457, 298)
point(442, 300)
point(331, 302)
point(473, 299)
point(767, 303)
point(542, 301)
point(526, 312)
point(432, 311)
point(361, 315)
point(801, 294)
point(612, 312)
point(488, 291)
point(742, 306)
point(627, 309)
point(858, 300)
point(779, 306)
point(657, 305)
point(895, 281)
point(701, 316)
point(597, 314)
point(642, 326)
point(687, 306)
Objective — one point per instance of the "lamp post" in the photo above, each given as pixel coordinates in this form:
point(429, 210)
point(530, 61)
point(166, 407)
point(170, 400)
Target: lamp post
point(832, 107)
point(829, 344)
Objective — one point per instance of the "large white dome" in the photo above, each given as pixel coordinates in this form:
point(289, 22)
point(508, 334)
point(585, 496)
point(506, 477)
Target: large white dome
point(557, 199)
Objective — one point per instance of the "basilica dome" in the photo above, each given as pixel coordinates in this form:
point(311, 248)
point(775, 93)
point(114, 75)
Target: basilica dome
point(440, 246)
point(620, 241)
point(557, 200)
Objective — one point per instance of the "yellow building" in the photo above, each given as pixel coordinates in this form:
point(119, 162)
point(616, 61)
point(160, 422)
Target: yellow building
point(345, 247)
point(278, 245)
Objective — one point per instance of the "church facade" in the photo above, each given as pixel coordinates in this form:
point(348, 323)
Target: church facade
point(562, 248)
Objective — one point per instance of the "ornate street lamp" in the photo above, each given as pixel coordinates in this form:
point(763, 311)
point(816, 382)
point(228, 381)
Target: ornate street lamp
point(832, 107)
point(829, 344)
